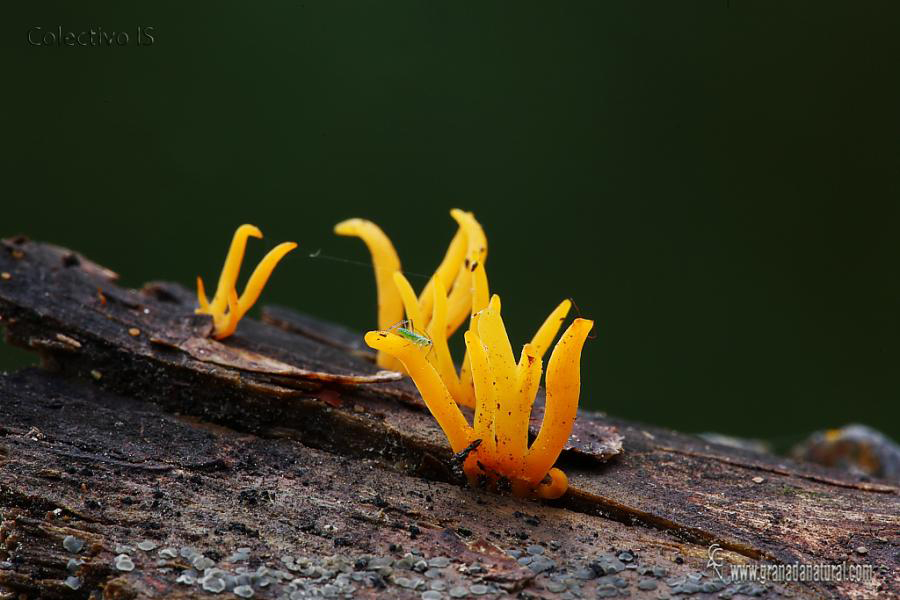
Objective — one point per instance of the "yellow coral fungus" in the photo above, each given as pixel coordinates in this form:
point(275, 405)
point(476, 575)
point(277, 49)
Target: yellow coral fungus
point(226, 307)
point(504, 389)
point(455, 275)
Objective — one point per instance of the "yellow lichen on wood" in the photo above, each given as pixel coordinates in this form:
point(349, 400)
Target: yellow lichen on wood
point(226, 307)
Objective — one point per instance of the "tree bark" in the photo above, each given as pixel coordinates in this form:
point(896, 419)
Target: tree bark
point(287, 440)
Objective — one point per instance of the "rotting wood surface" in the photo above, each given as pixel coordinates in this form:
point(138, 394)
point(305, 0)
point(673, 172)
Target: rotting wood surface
point(286, 439)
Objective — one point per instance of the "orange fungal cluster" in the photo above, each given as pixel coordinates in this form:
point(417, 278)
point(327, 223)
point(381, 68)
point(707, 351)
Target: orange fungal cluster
point(500, 388)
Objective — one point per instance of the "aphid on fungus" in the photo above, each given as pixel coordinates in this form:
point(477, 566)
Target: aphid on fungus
point(405, 329)
point(226, 307)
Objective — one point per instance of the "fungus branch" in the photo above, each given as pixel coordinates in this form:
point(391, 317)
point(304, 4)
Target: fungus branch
point(227, 308)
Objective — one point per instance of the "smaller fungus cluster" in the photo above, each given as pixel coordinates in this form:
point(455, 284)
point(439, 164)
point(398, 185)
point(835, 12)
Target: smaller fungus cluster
point(227, 307)
point(501, 389)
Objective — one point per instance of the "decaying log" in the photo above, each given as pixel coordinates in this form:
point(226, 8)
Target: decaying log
point(287, 440)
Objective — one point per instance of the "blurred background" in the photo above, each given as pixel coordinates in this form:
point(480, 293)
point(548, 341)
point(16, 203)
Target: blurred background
point(715, 183)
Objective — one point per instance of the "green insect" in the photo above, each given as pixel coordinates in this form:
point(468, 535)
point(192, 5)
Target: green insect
point(406, 330)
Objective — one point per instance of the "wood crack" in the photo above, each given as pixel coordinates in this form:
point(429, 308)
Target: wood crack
point(879, 488)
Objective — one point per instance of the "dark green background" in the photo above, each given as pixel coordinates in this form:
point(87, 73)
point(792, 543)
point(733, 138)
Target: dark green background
point(716, 183)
